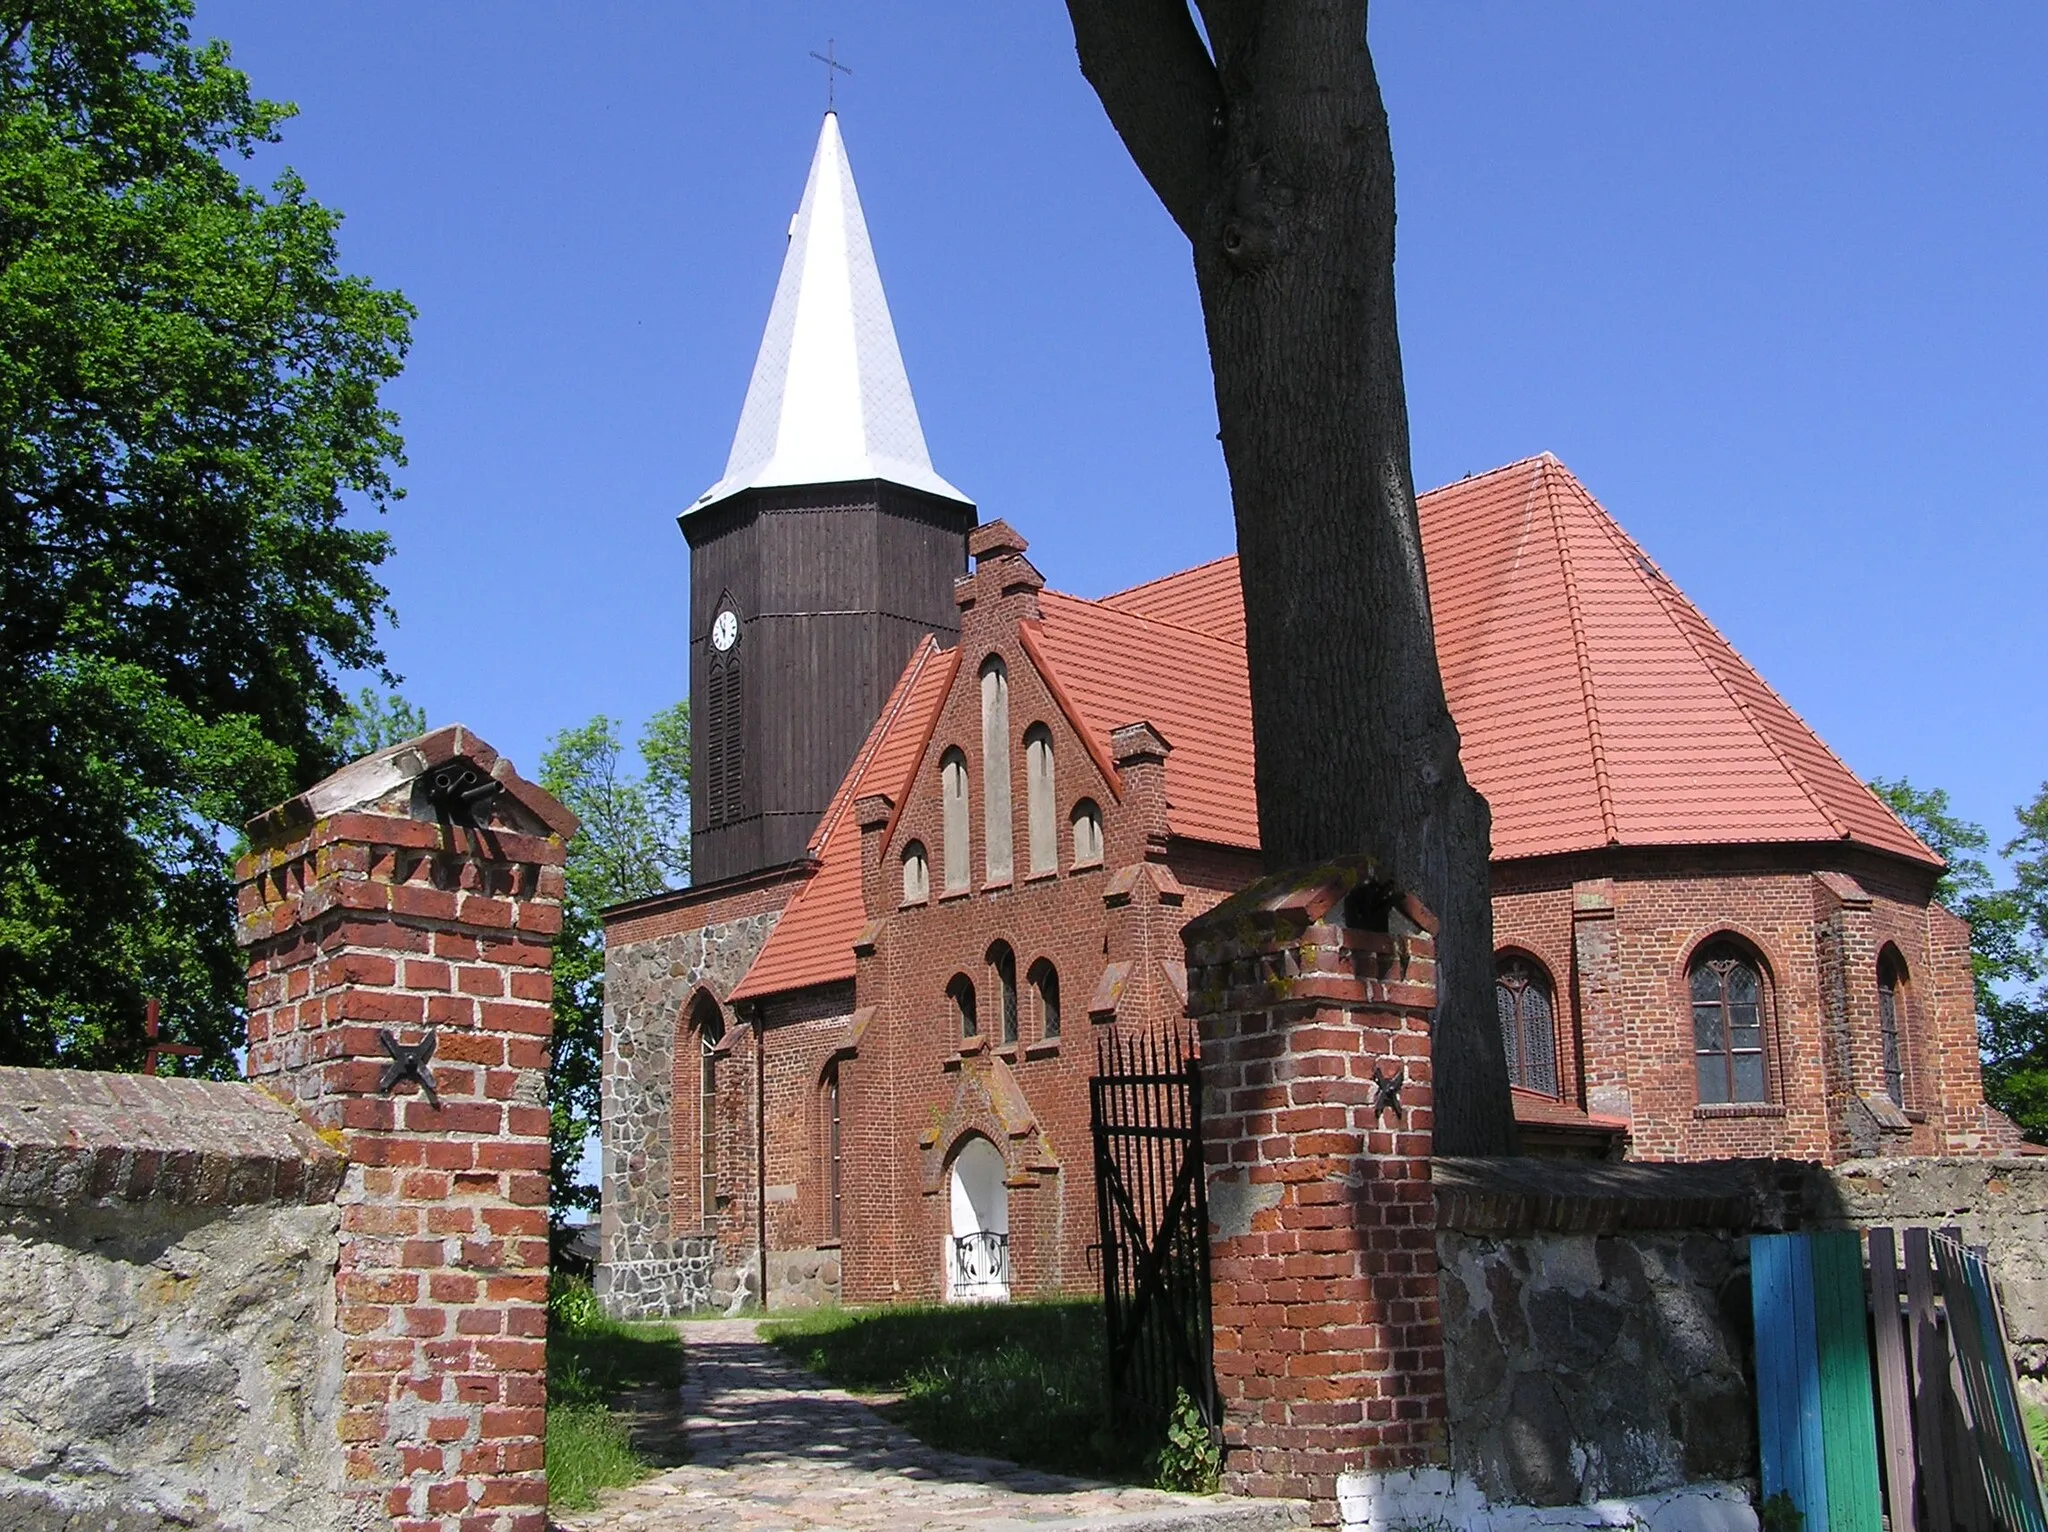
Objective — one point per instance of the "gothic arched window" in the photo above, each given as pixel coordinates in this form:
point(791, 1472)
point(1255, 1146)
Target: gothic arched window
point(995, 768)
point(1045, 981)
point(1727, 990)
point(1087, 821)
point(708, 1023)
point(917, 874)
point(1004, 962)
point(832, 1106)
point(1039, 799)
point(961, 993)
point(958, 874)
point(1528, 1023)
point(1891, 1020)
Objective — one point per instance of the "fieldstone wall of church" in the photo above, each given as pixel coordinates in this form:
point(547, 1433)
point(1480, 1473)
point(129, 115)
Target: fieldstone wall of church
point(647, 1265)
point(1588, 1367)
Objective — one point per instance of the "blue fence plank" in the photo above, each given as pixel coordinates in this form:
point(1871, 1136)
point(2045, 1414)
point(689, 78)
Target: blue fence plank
point(1777, 1391)
point(1789, 1431)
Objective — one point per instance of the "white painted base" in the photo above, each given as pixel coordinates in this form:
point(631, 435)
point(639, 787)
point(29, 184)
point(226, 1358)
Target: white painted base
point(1436, 1500)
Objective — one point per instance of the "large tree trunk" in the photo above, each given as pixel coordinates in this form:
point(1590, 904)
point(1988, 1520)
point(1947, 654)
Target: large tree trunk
point(1272, 155)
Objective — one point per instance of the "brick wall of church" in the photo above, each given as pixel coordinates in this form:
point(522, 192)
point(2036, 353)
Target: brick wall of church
point(1617, 948)
point(1109, 931)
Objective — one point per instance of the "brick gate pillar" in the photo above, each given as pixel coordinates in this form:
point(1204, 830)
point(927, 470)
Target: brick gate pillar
point(414, 896)
point(1312, 991)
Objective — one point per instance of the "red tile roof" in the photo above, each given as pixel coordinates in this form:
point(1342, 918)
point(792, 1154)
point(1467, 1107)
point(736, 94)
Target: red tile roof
point(813, 942)
point(1112, 663)
point(1596, 706)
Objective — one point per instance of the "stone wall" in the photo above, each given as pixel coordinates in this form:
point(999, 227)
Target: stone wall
point(1596, 1325)
point(2001, 1204)
point(1585, 1367)
point(1597, 1333)
point(168, 1349)
point(644, 1268)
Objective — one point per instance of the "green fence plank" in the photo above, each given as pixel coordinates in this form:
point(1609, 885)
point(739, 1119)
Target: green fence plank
point(1848, 1425)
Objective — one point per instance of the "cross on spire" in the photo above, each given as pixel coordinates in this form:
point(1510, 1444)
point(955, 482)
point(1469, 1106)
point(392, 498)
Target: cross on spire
point(833, 69)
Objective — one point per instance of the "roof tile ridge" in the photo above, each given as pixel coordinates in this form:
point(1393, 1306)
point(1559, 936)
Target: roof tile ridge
point(1157, 622)
point(1581, 649)
point(924, 744)
point(1533, 460)
point(843, 800)
point(1028, 634)
point(1178, 574)
point(899, 698)
point(1663, 591)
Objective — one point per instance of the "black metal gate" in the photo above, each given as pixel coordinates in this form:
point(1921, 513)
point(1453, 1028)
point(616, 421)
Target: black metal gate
point(1145, 1111)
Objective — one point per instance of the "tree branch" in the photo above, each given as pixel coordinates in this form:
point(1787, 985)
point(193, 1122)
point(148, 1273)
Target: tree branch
point(1156, 81)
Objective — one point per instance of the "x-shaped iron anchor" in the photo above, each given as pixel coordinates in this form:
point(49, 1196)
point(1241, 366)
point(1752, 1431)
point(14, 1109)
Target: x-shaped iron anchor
point(1386, 1092)
point(409, 1062)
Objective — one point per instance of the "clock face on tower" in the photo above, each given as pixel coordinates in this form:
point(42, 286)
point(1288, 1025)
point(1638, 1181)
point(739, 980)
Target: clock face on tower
point(725, 630)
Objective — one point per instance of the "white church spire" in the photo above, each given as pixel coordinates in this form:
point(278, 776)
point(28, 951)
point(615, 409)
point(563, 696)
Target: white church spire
point(829, 400)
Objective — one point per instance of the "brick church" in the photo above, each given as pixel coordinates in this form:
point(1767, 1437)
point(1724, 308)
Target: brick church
point(948, 823)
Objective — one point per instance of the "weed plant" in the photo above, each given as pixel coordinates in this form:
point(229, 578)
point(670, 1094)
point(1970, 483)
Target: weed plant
point(593, 1364)
point(1021, 1381)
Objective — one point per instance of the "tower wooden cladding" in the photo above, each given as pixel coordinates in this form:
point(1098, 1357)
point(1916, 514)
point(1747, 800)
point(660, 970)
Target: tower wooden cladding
point(831, 586)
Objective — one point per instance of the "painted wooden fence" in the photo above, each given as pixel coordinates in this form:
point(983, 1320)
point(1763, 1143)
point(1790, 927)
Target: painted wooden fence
point(1888, 1390)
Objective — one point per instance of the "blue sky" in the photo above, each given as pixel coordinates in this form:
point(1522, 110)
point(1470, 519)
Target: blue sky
point(1768, 278)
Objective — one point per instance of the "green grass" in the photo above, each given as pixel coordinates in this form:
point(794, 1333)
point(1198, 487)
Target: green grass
point(2037, 1429)
point(599, 1370)
point(1021, 1381)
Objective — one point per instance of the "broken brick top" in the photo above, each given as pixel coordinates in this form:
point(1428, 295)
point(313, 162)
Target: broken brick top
point(448, 776)
point(74, 1137)
point(1336, 930)
point(437, 831)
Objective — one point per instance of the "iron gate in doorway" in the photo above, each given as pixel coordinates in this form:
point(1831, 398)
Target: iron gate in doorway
point(1152, 1207)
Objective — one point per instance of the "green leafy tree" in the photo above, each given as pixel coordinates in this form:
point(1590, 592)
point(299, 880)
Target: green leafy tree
point(189, 395)
point(2008, 940)
point(635, 841)
point(374, 720)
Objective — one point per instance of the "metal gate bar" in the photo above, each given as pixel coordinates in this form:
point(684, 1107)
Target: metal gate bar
point(1145, 1116)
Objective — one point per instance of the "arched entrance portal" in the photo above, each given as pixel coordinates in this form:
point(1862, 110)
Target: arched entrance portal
point(978, 1250)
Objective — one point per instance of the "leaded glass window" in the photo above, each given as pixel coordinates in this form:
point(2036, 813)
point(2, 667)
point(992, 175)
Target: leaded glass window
point(1528, 1024)
point(1005, 964)
point(1727, 1026)
point(1046, 980)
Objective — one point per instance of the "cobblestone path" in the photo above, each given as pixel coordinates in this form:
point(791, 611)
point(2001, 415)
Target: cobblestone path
point(772, 1449)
